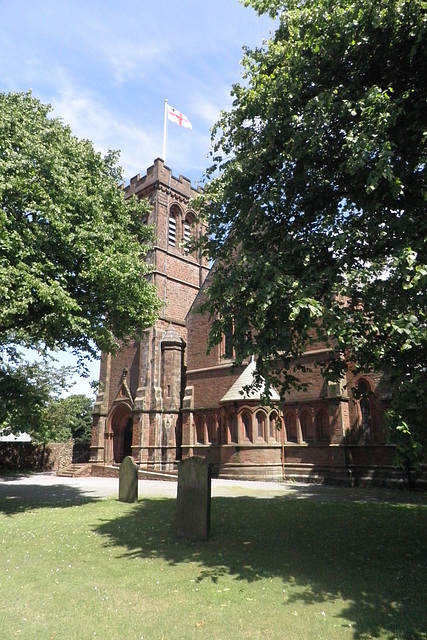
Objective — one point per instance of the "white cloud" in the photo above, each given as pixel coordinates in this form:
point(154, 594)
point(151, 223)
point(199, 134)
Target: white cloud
point(130, 62)
point(90, 118)
point(129, 55)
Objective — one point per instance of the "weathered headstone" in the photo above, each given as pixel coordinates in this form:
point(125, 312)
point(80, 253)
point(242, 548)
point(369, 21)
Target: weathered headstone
point(128, 480)
point(193, 505)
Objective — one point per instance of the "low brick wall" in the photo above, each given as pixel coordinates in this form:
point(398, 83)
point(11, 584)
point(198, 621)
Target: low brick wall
point(109, 471)
point(104, 471)
point(54, 456)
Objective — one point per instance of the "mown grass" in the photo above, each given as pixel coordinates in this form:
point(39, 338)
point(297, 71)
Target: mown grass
point(280, 568)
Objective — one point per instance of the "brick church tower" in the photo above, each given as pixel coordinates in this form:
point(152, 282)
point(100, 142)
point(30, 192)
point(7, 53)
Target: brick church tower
point(137, 411)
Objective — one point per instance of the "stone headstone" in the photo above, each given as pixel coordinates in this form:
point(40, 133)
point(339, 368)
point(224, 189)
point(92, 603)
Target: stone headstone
point(128, 480)
point(193, 505)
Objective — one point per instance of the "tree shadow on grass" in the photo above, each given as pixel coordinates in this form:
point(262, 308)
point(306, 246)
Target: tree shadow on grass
point(371, 555)
point(17, 498)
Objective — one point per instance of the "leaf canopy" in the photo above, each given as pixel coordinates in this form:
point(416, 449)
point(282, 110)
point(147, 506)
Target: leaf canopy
point(71, 273)
point(316, 206)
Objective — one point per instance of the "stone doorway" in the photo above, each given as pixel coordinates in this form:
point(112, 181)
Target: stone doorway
point(127, 438)
point(122, 428)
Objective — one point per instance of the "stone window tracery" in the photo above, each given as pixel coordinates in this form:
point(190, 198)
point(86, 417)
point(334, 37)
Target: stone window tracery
point(174, 226)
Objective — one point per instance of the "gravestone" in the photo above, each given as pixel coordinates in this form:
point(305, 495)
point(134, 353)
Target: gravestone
point(193, 504)
point(128, 480)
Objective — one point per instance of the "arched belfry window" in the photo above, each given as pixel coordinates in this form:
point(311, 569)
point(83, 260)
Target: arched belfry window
point(187, 231)
point(187, 234)
point(173, 227)
point(172, 231)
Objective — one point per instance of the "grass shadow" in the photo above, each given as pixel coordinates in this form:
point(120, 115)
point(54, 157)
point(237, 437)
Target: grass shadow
point(17, 498)
point(372, 556)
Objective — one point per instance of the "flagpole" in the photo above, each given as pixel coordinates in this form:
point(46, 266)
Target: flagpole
point(165, 126)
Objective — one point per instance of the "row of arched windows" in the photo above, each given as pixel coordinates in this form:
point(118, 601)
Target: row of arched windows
point(206, 431)
point(180, 227)
point(263, 427)
point(258, 427)
point(304, 426)
point(300, 425)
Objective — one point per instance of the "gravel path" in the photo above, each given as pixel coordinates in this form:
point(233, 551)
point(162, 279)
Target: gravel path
point(43, 486)
point(48, 488)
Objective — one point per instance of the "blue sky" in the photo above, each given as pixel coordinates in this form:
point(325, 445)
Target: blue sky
point(107, 67)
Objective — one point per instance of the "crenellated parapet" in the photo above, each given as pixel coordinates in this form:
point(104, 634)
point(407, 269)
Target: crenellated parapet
point(159, 178)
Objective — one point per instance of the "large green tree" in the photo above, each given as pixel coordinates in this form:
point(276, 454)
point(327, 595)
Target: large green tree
point(71, 274)
point(28, 391)
point(70, 417)
point(317, 214)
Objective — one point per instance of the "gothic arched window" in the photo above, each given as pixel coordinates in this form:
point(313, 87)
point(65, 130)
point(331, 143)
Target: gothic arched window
point(291, 426)
point(172, 231)
point(232, 427)
point(322, 425)
point(200, 430)
point(186, 234)
point(212, 430)
point(273, 425)
point(306, 426)
point(247, 426)
point(175, 217)
point(365, 415)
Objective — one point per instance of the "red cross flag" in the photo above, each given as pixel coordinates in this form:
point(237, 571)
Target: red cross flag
point(179, 118)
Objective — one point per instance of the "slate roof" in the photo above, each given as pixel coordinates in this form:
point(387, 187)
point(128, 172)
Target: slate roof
point(237, 392)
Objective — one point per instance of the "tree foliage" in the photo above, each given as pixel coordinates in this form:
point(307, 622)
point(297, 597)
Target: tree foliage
point(27, 390)
point(71, 274)
point(70, 245)
point(33, 402)
point(317, 214)
point(70, 416)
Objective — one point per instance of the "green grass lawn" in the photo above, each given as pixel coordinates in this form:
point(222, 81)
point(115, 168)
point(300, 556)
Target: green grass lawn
point(280, 568)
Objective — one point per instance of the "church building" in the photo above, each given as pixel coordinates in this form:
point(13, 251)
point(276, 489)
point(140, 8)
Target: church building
point(138, 409)
point(164, 398)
